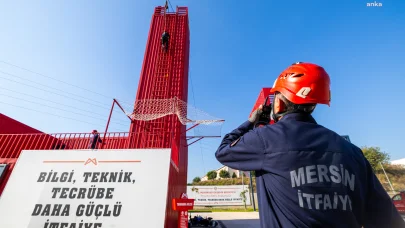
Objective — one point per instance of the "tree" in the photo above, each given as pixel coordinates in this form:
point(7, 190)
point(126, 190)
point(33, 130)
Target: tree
point(243, 195)
point(196, 179)
point(224, 174)
point(374, 155)
point(194, 189)
point(234, 175)
point(212, 175)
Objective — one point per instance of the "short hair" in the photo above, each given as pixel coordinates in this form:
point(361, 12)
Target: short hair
point(297, 108)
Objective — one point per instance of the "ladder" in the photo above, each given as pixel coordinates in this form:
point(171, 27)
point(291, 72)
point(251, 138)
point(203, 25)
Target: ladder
point(156, 130)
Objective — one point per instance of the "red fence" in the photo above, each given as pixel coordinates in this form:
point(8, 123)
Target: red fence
point(11, 145)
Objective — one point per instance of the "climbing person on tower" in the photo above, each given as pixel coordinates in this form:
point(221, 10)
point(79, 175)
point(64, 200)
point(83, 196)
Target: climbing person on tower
point(306, 174)
point(165, 40)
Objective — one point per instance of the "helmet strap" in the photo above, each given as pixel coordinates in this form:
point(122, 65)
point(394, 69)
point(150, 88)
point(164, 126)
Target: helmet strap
point(295, 109)
point(275, 116)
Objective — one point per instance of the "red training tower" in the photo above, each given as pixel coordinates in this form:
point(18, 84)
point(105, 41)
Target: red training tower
point(164, 75)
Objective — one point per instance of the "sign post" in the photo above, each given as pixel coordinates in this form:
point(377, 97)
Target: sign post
point(182, 205)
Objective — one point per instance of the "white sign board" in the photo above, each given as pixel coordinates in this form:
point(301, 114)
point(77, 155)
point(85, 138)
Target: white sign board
point(87, 189)
point(224, 195)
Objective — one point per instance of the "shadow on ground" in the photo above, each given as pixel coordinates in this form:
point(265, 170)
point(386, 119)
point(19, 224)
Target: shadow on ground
point(240, 223)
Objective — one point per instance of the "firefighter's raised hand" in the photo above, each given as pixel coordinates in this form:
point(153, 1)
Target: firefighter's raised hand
point(256, 114)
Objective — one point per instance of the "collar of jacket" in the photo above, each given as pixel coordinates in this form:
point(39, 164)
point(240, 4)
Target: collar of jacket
point(298, 117)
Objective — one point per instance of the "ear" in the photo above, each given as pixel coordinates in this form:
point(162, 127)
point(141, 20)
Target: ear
point(279, 105)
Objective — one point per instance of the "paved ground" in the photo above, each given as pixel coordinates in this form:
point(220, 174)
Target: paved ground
point(236, 219)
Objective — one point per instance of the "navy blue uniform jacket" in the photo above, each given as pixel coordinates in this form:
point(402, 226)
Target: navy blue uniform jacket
point(308, 176)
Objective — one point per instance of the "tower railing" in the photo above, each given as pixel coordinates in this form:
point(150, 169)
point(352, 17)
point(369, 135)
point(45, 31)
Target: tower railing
point(181, 11)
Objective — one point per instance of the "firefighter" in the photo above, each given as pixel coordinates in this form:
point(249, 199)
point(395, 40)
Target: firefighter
point(306, 174)
point(165, 40)
point(94, 140)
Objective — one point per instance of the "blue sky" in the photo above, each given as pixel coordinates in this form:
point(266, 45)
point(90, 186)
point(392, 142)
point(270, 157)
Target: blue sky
point(236, 49)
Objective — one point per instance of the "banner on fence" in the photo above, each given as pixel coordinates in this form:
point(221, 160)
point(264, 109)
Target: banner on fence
point(224, 195)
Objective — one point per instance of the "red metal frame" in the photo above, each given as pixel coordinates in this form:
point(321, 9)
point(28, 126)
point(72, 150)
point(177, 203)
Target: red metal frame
point(109, 118)
point(196, 141)
point(265, 92)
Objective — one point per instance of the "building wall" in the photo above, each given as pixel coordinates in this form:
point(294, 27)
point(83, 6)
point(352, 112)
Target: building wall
point(11, 126)
point(231, 172)
point(398, 162)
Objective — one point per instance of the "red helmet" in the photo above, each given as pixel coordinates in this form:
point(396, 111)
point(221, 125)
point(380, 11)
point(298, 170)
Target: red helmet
point(304, 83)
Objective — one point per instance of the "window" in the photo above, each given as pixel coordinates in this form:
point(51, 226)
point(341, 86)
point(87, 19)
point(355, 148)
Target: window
point(397, 197)
point(2, 170)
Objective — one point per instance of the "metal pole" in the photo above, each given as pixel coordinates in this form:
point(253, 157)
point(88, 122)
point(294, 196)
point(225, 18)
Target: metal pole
point(387, 178)
point(118, 103)
point(251, 189)
point(165, 14)
point(195, 141)
point(243, 183)
point(108, 123)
